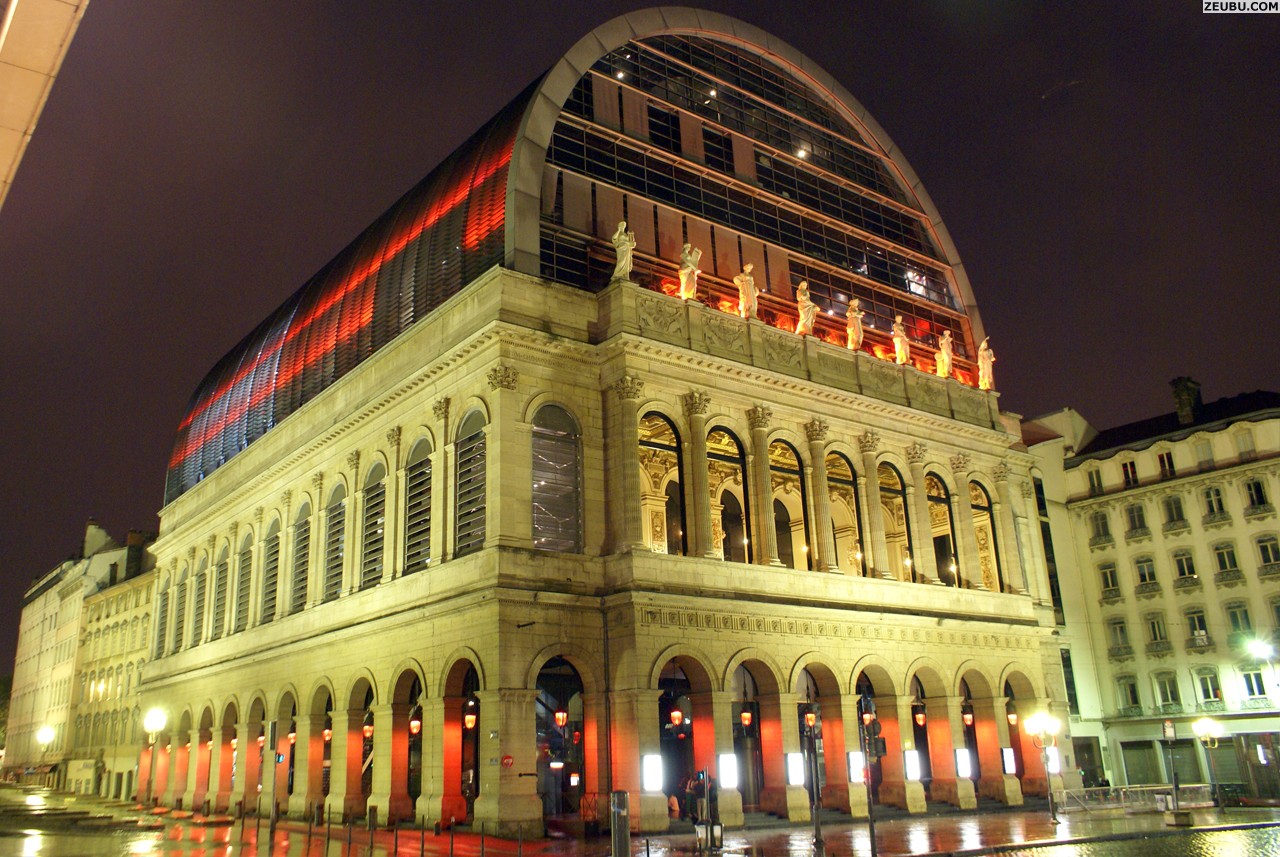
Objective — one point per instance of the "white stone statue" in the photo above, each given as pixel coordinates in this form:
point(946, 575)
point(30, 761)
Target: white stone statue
point(853, 324)
point(690, 256)
point(806, 308)
point(624, 243)
point(901, 344)
point(944, 355)
point(747, 292)
point(986, 357)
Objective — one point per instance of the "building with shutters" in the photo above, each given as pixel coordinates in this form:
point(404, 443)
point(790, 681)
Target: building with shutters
point(471, 530)
point(1174, 582)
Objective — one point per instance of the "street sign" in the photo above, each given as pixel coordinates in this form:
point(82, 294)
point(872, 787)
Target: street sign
point(1169, 732)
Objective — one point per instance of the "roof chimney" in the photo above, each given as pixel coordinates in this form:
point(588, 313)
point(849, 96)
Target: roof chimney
point(1186, 395)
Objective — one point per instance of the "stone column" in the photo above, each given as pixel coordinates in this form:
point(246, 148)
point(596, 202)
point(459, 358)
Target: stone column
point(722, 722)
point(779, 736)
point(875, 549)
point(197, 769)
point(509, 471)
point(433, 733)
point(837, 740)
point(765, 537)
point(624, 473)
point(221, 768)
point(1009, 546)
point(284, 580)
point(1036, 569)
point(699, 490)
point(441, 478)
point(991, 729)
point(253, 610)
point(393, 510)
point(248, 766)
point(823, 536)
point(508, 804)
point(636, 735)
point(894, 714)
point(176, 788)
point(969, 564)
point(346, 764)
point(923, 560)
point(596, 780)
point(946, 735)
point(308, 761)
point(390, 792)
point(320, 520)
point(353, 541)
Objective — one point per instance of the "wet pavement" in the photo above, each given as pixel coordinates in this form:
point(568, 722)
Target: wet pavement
point(39, 824)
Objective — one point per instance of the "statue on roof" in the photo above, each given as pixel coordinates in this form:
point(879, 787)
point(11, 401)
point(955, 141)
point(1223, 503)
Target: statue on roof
point(901, 344)
point(806, 309)
point(690, 257)
point(747, 292)
point(853, 324)
point(624, 243)
point(943, 358)
point(986, 357)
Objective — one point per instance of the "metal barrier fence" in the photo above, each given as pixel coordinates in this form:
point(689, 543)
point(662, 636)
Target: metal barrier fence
point(1133, 799)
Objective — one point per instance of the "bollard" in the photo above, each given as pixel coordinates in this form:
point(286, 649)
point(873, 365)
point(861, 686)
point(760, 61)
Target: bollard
point(349, 826)
point(481, 840)
point(646, 847)
point(422, 844)
point(520, 842)
point(395, 839)
point(450, 837)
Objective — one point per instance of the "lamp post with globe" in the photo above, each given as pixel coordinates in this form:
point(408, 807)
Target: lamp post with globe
point(1043, 728)
point(152, 723)
point(1209, 731)
point(44, 737)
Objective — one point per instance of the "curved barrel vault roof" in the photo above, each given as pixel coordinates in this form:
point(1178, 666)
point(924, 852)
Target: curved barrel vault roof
point(479, 208)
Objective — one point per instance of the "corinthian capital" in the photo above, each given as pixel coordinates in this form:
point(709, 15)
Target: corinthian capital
point(816, 430)
point(916, 453)
point(759, 417)
point(868, 442)
point(696, 403)
point(628, 387)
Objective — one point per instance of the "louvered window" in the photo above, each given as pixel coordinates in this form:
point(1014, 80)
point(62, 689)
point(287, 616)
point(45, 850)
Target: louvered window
point(197, 612)
point(470, 501)
point(334, 547)
point(179, 614)
point(270, 576)
point(557, 489)
point(162, 623)
point(243, 582)
point(417, 512)
point(219, 600)
point(375, 507)
point(301, 564)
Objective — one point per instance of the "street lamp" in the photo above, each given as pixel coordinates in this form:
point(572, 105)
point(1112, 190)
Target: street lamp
point(44, 737)
point(1209, 731)
point(1043, 728)
point(152, 722)
point(811, 750)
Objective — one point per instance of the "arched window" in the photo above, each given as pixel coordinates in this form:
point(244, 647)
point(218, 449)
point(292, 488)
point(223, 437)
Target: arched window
point(270, 572)
point(790, 506)
point(897, 533)
point(373, 531)
point(335, 542)
point(661, 485)
point(469, 502)
point(846, 517)
point(417, 508)
point(301, 559)
point(244, 582)
point(727, 468)
point(220, 572)
point(557, 481)
point(198, 602)
point(985, 530)
point(179, 612)
point(942, 529)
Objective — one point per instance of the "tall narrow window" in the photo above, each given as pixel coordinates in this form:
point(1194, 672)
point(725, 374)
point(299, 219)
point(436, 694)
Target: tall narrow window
point(270, 572)
point(1238, 618)
point(417, 508)
point(373, 536)
point(1185, 564)
point(244, 578)
point(1130, 471)
point(1207, 684)
point(897, 529)
point(790, 506)
point(727, 468)
point(1095, 482)
point(162, 621)
point(197, 603)
point(220, 572)
point(335, 543)
point(1213, 501)
point(1069, 679)
point(470, 500)
point(1137, 518)
point(942, 529)
point(1255, 494)
point(1269, 550)
point(1225, 554)
point(179, 613)
point(984, 529)
point(1167, 470)
point(557, 481)
point(1107, 577)
point(301, 560)
point(1173, 514)
point(661, 485)
point(1100, 527)
point(846, 518)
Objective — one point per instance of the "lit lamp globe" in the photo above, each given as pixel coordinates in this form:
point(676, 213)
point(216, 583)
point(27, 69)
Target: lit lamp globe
point(44, 736)
point(1261, 649)
point(154, 721)
point(1207, 728)
point(1043, 723)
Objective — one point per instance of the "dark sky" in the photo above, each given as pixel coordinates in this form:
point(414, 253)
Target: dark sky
point(1108, 172)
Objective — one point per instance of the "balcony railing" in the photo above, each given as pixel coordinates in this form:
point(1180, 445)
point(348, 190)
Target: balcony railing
point(1259, 510)
point(1211, 706)
point(1269, 569)
point(1216, 519)
point(1111, 595)
point(1254, 703)
point(1102, 540)
point(1176, 526)
point(1159, 647)
point(1228, 576)
point(1119, 652)
point(1133, 534)
point(1150, 589)
point(1200, 643)
point(1187, 582)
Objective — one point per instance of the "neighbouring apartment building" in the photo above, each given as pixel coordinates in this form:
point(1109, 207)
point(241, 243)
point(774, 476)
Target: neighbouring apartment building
point(1172, 591)
point(510, 507)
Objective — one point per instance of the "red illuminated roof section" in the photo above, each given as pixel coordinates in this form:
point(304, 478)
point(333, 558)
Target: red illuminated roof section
point(434, 241)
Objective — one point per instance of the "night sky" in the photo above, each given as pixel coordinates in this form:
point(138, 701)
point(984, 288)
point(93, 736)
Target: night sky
point(1108, 172)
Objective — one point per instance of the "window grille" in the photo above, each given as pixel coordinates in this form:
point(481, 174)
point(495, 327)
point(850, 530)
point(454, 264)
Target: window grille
point(219, 600)
point(301, 564)
point(557, 481)
point(375, 506)
point(470, 499)
point(270, 576)
point(417, 516)
point(334, 547)
point(197, 612)
point(162, 623)
point(179, 615)
point(244, 581)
